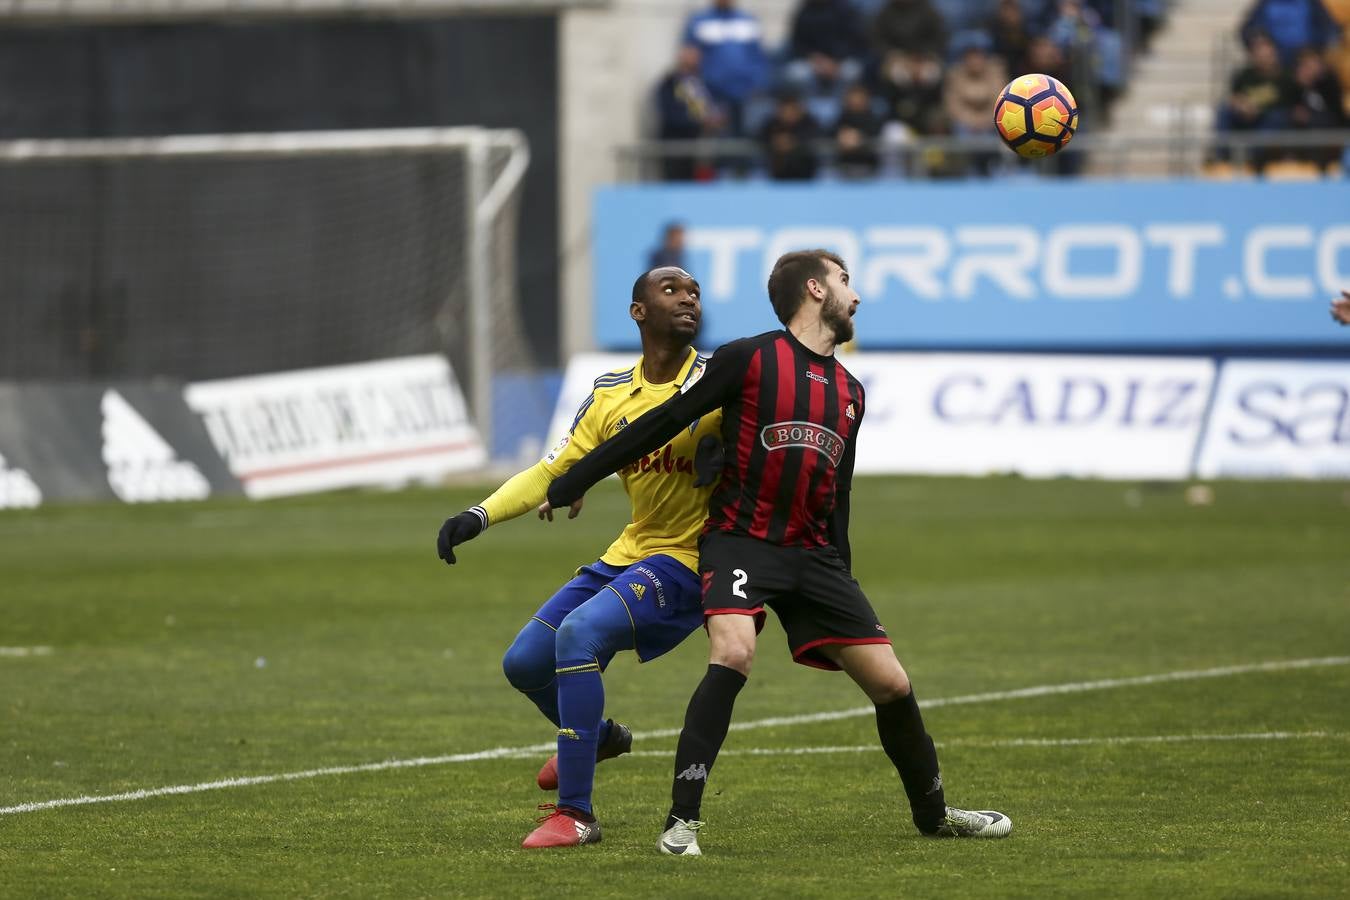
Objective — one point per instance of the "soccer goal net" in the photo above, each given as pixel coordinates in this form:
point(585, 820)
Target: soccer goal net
point(212, 256)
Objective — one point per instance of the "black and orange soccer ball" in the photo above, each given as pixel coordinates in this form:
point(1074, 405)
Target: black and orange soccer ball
point(1036, 116)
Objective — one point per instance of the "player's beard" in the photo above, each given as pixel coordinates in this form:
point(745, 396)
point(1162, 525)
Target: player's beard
point(835, 315)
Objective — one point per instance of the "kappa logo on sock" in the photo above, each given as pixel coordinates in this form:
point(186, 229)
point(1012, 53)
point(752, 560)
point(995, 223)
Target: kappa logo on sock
point(569, 734)
point(696, 772)
point(638, 589)
point(937, 785)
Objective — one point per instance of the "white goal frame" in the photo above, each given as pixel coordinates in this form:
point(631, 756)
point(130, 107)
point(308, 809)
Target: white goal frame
point(486, 195)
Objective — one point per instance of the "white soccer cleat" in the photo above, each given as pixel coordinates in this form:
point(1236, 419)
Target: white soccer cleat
point(681, 839)
point(984, 823)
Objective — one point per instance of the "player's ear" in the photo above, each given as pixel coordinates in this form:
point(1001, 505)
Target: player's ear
point(638, 311)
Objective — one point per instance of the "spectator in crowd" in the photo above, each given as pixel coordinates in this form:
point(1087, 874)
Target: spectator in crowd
point(1045, 58)
point(908, 28)
point(1011, 35)
point(1318, 102)
point(912, 88)
point(856, 133)
point(1094, 52)
point(788, 138)
point(686, 111)
point(828, 45)
point(910, 38)
point(730, 43)
point(1261, 95)
point(670, 252)
point(1292, 25)
point(971, 84)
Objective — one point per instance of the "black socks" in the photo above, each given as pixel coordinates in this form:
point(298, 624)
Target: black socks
point(911, 750)
point(705, 728)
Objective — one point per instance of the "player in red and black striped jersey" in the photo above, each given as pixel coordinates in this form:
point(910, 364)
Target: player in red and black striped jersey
point(777, 536)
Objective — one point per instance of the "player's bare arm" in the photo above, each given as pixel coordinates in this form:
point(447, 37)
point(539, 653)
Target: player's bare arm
point(1340, 308)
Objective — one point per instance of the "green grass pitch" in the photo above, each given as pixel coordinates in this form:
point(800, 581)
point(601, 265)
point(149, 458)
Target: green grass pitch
point(191, 643)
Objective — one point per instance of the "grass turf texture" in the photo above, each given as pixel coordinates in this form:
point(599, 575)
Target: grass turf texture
point(206, 641)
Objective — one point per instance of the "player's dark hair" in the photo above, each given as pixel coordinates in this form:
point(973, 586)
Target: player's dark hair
point(787, 281)
point(640, 286)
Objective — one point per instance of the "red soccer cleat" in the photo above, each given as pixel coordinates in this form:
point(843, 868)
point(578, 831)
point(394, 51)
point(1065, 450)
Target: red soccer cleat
point(560, 827)
point(620, 742)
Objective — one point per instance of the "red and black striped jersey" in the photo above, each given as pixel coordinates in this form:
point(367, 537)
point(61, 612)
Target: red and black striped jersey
point(790, 421)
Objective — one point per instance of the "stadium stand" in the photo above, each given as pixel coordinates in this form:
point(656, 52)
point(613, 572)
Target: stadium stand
point(879, 82)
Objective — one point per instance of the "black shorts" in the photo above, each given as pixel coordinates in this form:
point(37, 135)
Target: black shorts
point(815, 598)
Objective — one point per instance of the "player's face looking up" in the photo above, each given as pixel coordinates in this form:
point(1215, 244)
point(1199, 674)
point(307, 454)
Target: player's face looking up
point(671, 306)
point(841, 301)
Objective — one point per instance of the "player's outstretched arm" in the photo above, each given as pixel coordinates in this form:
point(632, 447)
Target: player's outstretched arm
point(521, 493)
point(719, 383)
point(1340, 308)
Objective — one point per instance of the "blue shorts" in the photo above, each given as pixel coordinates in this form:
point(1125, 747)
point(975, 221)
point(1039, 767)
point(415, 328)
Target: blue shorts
point(663, 597)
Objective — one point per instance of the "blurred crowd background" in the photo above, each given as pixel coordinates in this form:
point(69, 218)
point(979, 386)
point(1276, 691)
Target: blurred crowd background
point(855, 77)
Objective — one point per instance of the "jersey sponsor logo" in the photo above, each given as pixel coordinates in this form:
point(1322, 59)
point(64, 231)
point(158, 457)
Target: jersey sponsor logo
point(558, 448)
point(851, 413)
point(17, 488)
point(142, 467)
point(784, 435)
point(621, 424)
point(638, 589)
point(695, 772)
point(661, 462)
point(814, 377)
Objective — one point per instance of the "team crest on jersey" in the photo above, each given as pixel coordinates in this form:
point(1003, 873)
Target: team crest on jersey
point(851, 413)
point(784, 435)
point(693, 378)
point(638, 589)
point(558, 448)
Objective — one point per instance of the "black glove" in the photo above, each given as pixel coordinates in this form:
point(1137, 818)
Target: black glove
point(709, 458)
point(457, 529)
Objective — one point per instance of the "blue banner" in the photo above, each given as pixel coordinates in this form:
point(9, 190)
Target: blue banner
point(1068, 264)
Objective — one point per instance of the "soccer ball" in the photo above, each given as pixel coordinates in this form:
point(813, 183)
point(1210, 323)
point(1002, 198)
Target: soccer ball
point(1036, 116)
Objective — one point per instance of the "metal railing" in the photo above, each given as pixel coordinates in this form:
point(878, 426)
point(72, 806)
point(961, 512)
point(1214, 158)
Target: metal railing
point(1182, 153)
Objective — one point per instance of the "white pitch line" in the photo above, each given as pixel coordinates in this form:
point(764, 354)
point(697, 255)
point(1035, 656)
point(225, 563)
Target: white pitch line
point(511, 752)
point(1031, 742)
point(1044, 690)
point(25, 651)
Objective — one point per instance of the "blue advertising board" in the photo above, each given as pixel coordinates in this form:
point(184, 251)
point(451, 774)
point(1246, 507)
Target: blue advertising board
point(1068, 264)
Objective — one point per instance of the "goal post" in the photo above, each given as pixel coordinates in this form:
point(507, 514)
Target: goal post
point(210, 256)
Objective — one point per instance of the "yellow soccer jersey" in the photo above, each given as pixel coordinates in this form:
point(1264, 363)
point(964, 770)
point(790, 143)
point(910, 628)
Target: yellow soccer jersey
point(668, 511)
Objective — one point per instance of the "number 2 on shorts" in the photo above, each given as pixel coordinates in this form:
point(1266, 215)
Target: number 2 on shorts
point(738, 586)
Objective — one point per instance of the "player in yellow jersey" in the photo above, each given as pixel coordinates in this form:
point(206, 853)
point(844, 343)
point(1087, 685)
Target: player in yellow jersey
point(644, 593)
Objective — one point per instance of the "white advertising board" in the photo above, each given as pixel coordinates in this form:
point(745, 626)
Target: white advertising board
point(1279, 419)
point(1038, 416)
point(977, 414)
point(378, 423)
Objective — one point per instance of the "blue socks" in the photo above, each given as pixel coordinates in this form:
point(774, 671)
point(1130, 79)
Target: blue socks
point(588, 639)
